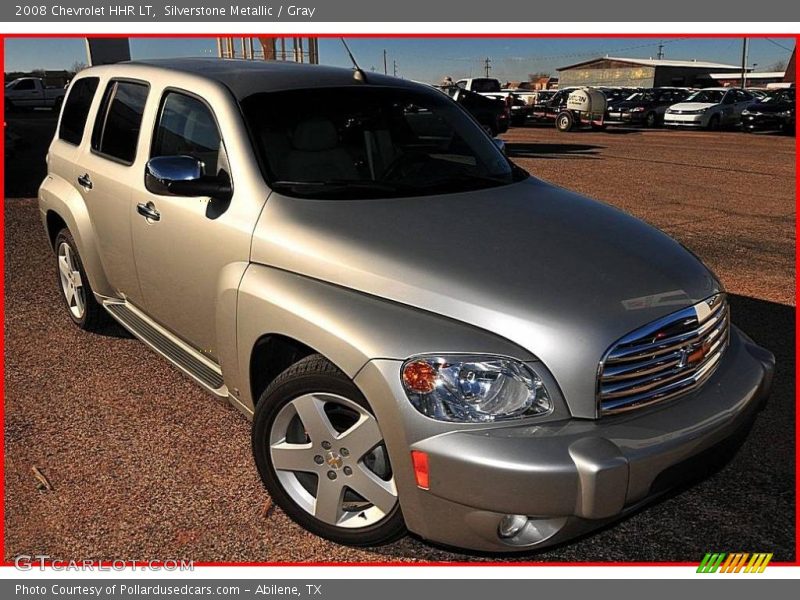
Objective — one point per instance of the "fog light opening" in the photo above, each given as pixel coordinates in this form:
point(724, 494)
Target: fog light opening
point(511, 525)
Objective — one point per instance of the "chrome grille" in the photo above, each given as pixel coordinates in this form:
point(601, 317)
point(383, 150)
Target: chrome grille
point(668, 357)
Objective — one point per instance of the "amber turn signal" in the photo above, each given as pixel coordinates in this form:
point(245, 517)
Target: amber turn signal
point(419, 377)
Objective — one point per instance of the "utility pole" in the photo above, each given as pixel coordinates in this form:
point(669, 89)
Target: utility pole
point(660, 50)
point(744, 63)
point(487, 66)
point(385, 71)
point(394, 68)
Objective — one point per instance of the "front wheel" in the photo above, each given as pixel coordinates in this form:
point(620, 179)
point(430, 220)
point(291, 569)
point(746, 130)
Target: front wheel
point(650, 120)
point(321, 456)
point(714, 123)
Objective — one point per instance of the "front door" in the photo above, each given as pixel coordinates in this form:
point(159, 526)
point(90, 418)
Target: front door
point(180, 243)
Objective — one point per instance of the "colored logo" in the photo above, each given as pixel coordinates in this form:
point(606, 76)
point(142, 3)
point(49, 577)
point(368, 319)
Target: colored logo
point(736, 562)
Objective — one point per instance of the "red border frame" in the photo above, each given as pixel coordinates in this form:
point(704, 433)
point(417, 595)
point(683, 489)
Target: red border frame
point(796, 37)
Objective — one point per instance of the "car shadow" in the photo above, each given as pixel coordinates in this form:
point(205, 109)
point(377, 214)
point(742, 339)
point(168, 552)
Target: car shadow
point(734, 476)
point(527, 150)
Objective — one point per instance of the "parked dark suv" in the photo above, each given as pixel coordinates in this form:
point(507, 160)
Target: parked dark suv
point(645, 108)
point(776, 111)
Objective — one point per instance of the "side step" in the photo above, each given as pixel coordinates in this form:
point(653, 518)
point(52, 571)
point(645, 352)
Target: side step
point(187, 359)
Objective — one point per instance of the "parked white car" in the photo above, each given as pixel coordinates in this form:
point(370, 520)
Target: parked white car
point(710, 108)
point(31, 92)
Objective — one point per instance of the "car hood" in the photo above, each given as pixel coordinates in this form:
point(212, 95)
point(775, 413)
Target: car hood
point(693, 105)
point(632, 104)
point(560, 275)
point(769, 107)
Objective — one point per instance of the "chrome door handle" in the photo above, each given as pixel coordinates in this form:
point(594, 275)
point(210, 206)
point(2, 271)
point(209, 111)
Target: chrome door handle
point(85, 181)
point(148, 211)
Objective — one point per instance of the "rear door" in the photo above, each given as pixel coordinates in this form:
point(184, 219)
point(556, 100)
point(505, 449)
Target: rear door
point(106, 171)
point(65, 149)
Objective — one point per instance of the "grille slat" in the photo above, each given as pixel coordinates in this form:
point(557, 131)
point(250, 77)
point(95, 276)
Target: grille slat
point(665, 358)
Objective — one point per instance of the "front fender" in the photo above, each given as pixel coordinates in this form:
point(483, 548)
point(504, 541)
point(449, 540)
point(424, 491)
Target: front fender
point(59, 196)
point(348, 327)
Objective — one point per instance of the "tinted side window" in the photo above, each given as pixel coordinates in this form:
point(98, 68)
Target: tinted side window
point(24, 85)
point(76, 109)
point(186, 126)
point(116, 131)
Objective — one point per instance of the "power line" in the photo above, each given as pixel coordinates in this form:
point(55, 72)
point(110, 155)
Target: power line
point(771, 41)
point(594, 52)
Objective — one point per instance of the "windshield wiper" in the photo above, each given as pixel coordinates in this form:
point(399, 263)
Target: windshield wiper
point(312, 187)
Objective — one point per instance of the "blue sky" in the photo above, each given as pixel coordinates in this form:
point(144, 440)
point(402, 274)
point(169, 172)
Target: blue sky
point(430, 59)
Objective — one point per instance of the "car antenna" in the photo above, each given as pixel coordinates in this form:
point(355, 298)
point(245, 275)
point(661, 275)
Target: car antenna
point(358, 74)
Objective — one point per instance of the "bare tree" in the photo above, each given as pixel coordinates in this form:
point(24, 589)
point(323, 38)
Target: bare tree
point(78, 66)
point(778, 65)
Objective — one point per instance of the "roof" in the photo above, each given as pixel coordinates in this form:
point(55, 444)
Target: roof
point(247, 77)
point(759, 75)
point(656, 62)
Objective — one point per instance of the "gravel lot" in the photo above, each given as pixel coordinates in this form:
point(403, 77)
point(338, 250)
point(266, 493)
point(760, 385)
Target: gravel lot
point(144, 465)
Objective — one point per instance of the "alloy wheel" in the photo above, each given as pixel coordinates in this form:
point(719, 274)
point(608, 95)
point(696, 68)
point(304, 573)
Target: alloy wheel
point(71, 281)
point(329, 457)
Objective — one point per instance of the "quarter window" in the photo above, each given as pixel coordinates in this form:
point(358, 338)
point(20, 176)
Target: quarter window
point(187, 127)
point(116, 131)
point(76, 109)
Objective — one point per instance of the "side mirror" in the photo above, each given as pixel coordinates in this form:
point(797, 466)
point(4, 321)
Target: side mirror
point(183, 176)
point(500, 144)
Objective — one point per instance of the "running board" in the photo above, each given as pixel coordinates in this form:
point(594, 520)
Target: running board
point(203, 370)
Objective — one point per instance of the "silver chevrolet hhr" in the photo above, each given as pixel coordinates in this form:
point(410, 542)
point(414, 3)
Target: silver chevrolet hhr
point(426, 337)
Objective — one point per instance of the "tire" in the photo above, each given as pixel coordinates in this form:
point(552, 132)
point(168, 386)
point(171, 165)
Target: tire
point(650, 120)
point(713, 123)
point(358, 483)
point(81, 305)
point(565, 121)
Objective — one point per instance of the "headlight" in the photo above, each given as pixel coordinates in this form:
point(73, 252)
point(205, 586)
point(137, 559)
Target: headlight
point(745, 112)
point(637, 109)
point(474, 389)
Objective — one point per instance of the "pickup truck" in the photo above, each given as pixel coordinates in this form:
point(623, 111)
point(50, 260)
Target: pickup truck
point(425, 336)
point(519, 109)
point(31, 92)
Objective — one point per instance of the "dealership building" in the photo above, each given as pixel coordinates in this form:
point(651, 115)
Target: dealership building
point(642, 72)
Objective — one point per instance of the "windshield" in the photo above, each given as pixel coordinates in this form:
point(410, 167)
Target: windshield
point(709, 96)
point(371, 142)
point(642, 97)
point(776, 97)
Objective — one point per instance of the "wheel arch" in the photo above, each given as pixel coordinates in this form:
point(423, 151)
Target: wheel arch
point(62, 206)
point(272, 354)
point(281, 314)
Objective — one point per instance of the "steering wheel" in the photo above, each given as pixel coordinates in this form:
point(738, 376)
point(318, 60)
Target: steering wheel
point(406, 159)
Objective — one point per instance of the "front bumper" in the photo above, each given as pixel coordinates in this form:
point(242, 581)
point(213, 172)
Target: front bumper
point(616, 117)
point(763, 122)
point(697, 120)
point(567, 476)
